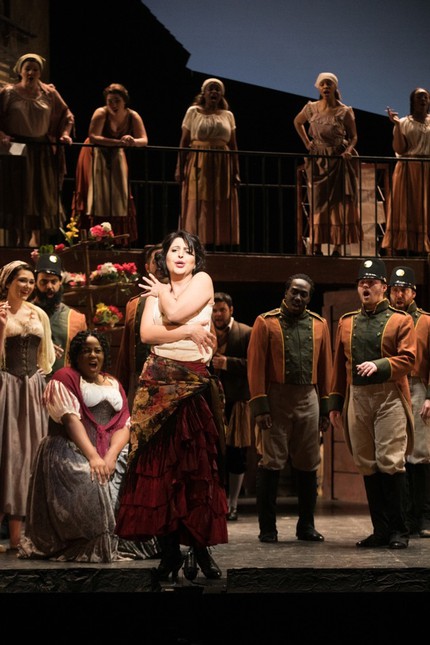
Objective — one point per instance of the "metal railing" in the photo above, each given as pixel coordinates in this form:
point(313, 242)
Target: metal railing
point(275, 199)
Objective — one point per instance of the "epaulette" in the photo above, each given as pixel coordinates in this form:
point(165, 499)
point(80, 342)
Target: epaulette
point(273, 312)
point(315, 315)
point(350, 313)
point(398, 311)
point(423, 312)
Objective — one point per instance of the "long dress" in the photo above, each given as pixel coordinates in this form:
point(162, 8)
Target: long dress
point(174, 478)
point(408, 203)
point(37, 177)
point(69, 517)
point(210, 204)
point(332, 182)
point(23, 420)
point(102, 185)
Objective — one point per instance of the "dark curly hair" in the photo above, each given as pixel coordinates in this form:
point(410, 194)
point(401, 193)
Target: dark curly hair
point(193, 243)
point(77, 343)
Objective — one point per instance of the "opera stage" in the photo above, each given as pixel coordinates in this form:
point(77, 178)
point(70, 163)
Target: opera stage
point(302, 588)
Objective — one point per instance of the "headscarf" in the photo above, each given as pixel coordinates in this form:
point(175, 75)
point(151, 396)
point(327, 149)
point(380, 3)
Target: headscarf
point(213, 80)
point(20, 62)
point(6, 272)
point(324, 75)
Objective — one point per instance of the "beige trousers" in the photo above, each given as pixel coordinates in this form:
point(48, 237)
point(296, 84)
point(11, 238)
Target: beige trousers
point(377, 426)
point(295, 428)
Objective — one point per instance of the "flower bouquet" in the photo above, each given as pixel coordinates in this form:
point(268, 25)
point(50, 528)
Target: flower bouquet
point(104, 274)
point(107, 315)
point(113, 272)
point(128, 272)
point(74, 279)
point(101, 232)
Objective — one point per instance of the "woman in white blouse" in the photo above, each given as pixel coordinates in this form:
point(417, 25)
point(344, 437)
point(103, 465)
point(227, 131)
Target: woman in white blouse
point(73, 488)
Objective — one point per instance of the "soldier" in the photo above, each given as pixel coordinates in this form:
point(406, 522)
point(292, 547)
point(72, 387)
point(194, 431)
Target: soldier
point(65, 322)
point(375, 350)
point(402, 296)
point(289, 371)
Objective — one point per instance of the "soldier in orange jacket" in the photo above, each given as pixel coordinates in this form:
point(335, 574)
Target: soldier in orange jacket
point(375, 351)
point(402, 296)
point(289, 371)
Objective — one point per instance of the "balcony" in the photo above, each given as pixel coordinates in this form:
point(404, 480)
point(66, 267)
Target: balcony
point(276, 215)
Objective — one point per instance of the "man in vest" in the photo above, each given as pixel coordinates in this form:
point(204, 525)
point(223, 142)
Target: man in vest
point(65, 322)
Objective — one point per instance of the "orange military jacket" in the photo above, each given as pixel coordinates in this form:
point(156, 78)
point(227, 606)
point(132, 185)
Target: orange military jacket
point(267, 359)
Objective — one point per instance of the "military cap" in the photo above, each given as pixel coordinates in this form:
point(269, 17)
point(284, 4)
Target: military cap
point(373, 268)
point(49, 263)
point(403, 277)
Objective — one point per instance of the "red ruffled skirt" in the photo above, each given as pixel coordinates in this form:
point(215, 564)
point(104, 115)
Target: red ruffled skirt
point(173, 483)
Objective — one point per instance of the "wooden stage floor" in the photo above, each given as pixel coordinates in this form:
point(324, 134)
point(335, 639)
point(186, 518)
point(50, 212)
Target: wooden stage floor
point(274, 582)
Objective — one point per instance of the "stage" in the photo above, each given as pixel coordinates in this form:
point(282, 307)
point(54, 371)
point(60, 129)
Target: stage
point(260, 582)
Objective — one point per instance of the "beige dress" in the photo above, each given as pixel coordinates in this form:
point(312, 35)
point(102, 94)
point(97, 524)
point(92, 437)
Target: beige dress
point(332, 181)
point(37, 176)
point(210, 205)
point(23, 418)
point(408, 204)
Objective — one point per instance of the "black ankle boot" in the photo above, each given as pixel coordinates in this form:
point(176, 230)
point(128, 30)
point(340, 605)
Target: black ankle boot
point(190, 565)
point(207, 564)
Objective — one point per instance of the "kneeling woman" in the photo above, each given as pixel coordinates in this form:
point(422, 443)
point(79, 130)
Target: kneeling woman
point(173, 486)
point(74, 484)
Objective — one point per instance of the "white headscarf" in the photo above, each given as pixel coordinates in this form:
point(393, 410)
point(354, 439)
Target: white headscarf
point(21, 60)
point(324, 75)
point(6, 272)
point(213, 80)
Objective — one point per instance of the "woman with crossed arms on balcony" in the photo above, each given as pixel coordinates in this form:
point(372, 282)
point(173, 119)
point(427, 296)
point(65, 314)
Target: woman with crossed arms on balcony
point(332, 182)
point(102, 185)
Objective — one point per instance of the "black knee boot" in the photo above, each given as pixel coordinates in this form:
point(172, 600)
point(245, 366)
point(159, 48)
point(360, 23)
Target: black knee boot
point(267, 490)
point(395, 497)
point(411, 510)
point(420, 475)
point(375, 500)
point(307, 497)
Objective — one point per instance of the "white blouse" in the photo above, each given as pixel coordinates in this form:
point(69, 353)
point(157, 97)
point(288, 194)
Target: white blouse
point(60, 401)
point(184, 350)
